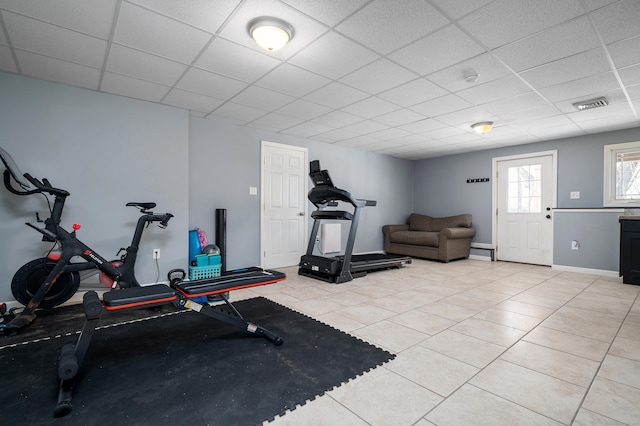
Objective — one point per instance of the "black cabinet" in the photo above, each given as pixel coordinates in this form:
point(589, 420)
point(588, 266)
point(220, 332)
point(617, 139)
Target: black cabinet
point(630, 250)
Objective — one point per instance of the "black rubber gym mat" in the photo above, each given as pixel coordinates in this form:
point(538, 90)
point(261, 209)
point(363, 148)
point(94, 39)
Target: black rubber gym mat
point(182, 368)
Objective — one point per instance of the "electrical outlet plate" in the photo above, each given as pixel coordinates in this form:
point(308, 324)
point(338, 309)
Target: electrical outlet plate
point(156, 253)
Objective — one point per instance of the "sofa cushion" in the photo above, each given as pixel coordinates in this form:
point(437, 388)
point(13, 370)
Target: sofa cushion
point(416, 238)
point(419, 222)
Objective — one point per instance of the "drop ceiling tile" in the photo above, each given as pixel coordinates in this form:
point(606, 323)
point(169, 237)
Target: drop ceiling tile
point(333, 56)
point(466, 116)
point(237, 112)
point(51, 69)
point(3, 39)
point(335, 135)
point(210, 84)
point(399, 117)
point(618, 21)
point(93, 18)
point(625, 52)
point(292, 80)
point(50, 40)
point(307, 129)
point(305, 28)
point(329, 12)
point(378, 146)
point(393, 134)
point(445, 132)
point(132, 87)
point(370, 107)
point(358, 141)
point(529, 114)
point(337, 119)
point(436, 51)
point(208, 15)
point(336, 95)
point(414, 92)
point(614, 96)
point(378, 77)
point(410, 138)
point(505, 21)
point(577, 36)
point(6, 60)
point(587, 88)
point(634, 92)
point(610, 112)
point(143, 66)
point(630, 75)
point(505, 87)
point(458, 8)
point(486, 66)
point(191, 101)
point(276, 122)
point(516, 103)
point(304, 110)
point(260, 98)
point(416, 18)
point(597, 4)
point(151, 32)
point(439, 106)
point(572, 68)
point(365, 127)
point(557, 132)
point(422, 126)
point(247, 65)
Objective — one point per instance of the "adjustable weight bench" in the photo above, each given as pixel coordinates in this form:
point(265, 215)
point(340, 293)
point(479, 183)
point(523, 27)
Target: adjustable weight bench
point(181, 295)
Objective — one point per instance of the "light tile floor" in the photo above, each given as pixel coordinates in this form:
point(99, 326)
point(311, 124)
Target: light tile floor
point(477, 343)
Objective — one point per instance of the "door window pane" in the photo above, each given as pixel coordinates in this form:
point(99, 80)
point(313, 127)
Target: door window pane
point(525, 189)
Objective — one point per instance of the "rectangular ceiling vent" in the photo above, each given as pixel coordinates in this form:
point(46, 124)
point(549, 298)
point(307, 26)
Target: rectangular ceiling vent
point(593, 103)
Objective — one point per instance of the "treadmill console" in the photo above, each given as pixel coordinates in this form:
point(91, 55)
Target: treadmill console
point(319, 177)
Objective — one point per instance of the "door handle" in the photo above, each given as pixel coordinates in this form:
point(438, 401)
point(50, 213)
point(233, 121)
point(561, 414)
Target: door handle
point(548, 216)
point(301, 214)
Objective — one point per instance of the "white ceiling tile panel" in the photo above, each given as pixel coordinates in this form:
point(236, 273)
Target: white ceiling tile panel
point(359, 141)
point(333, 56)
point(564, 131)
point(247, 64)
point(457, 8)
point(3, 39)
point(588, 87)
point(143, 66)
point(370, 107)
point(504, 87)
point(630, 75)
point(421, 55)
point(617, 111)
point(365, 127)
point(88, 17)
point(530, 114)
point(305, 29)
point(439, 106)
point(7, 62)
point(151, 32)
point(577, 35)
point(391, 134)
point(399, 117)
point(276, 122)
point(304, 110)
point(486, 66)
point(505, 21)
point(306, 129)
point(422, 126)
point(614, 96)
point(572, 68)
point(378, 77)
point(466, 116)
point(210, 84)
point(336, 135)
point(336, 95)
point(625, 52)
point(132, 87)
point(516, 103)
point(292, 80)
point(618, 21)
point(46, 68)
point(383, 26)
point(237, 112)
point(261, 98)
point(191, 101)
point(56, 42)
point(597, 4)
point(207, 15)
point(336, 119)
point(413, 92)
point(329, 12)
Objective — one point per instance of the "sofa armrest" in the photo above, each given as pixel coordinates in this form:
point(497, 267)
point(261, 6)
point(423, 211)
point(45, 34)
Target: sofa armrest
point(386, 232)
point(456, 233)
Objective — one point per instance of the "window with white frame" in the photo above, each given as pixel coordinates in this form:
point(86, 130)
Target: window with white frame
point(622, 175)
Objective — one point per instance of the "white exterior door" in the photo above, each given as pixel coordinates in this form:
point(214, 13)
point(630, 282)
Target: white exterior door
point(526, 195)
point(284, 204)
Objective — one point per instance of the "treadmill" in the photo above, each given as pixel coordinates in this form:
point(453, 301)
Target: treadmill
point(343, 268)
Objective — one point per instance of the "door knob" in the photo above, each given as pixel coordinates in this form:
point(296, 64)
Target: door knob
point(301, 214)
point(548, 216)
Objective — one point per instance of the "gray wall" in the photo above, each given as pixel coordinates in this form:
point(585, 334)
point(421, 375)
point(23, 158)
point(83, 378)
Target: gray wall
point(224, 161)
point(440, 189)
point(106, 151)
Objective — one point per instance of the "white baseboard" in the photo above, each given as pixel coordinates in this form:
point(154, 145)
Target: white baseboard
point(477, 257)
point(602, 272)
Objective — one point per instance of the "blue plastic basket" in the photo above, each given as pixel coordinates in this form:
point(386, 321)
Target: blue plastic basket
point(201, 272)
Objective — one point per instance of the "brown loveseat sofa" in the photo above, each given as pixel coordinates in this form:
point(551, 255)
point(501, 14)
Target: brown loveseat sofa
point(437, 238)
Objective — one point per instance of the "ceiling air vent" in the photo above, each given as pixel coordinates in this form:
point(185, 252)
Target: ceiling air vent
point(593, 103)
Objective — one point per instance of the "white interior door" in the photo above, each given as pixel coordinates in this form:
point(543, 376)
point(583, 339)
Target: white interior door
point(526, 195)
point(284, 204)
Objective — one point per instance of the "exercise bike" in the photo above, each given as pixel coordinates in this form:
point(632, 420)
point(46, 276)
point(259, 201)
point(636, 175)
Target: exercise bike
point(52, 280)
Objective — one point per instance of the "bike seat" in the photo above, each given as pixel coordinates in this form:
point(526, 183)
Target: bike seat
point(144, 206)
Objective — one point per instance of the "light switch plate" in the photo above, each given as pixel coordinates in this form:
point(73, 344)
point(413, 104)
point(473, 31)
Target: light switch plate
point(574, 195)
